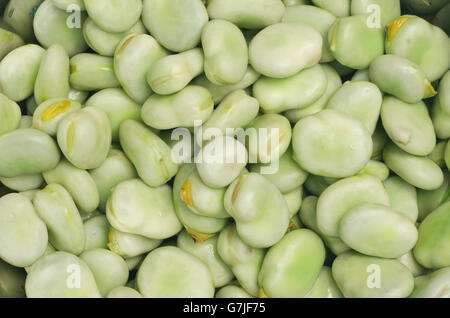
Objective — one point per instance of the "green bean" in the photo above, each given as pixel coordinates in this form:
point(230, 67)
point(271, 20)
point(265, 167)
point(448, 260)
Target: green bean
point(61, 283)
point(134, 55)
point(176, 24)
point(56, 208)
point(114, 15)
point(285, 264)
point(147, 211)
point(248, 14)
point(298, 46)
point(109, 269)
point(51, 26)
point(27, 151)
point(18, 71)
point(23, 234)
point(171, 272)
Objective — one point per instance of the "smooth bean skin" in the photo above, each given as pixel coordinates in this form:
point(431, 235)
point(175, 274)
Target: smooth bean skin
point(123, 292)
point(23, 235)
point(77, 95)
point(376, 230)
point(294, 201)
point(339, 8)
point(232, 291)
point(49, 250)
point(308, 216)
point(226, 52)
point(109, 269)
point(298, 46)
point(171, 272)
point(88, 216)
point(26, 121)
point(361, 75)
point(429, 200)
point(342, 196)
point(432, 248)
point(23, 183)
point(438, 153)
point(9, 41)
point(134, 262)
point(133, 57)
point(117, 105)
point(85, 137)
point(202, 199)
point(115, 169)
point(288, 176)
point(441, 120)
point(331, 134)
point(235, 111)
point(66, 4)
point(50, 277)
point(114, 15)
point(420, 172)
point(402, 196)
point(285, 264)
point(353, 43)
point(172, 73)
point(276, 95)
point(325, 286)
point(17, 16)
point(207, 252)
point(219, 92)
point(444, 92)
point(176, 24)
point(429, 47)
point(377, 169)
point(91, 72)
point(27, 151)
point(270, 137)
point(181, 109)
point(199, 227)
point(317, 184)
point(150, 155)
point(401, 78)
point(103, 42)
point(359, 99)
point(96, 230)
point(78, 182)
point(130, 245)
point(54, 26)
point(52, 80)
point(248, 14)
point(221, 161)
point(433, 285)
point(49, 114)
point(56, 208)
point(134, 207)
point(10, 115)
point(244, 261)
point(333, 83)
point(263, 223)
point(13, 281)
point(409, 126)
point(318, 18)
point(18, 71)
point(355, 274)
point(414, 267)
point(389, 9)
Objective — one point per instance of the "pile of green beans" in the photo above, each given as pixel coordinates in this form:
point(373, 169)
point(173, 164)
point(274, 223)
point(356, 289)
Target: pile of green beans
point(339, 186)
